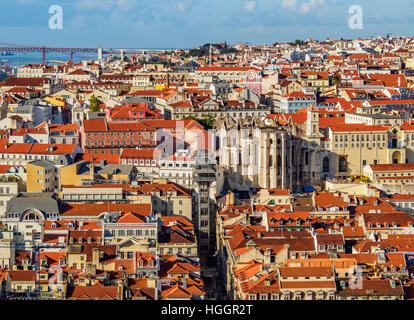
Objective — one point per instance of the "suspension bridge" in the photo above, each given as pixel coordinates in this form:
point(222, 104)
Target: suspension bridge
point(15, 48)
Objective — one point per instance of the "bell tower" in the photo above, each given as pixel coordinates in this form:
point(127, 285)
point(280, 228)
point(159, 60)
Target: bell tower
point(312, 122)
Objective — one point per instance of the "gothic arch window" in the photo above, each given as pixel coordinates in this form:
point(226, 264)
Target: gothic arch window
point(279, 165)
point(326, 165)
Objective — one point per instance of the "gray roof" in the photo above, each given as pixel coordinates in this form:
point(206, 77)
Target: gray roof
point(64, 159)
point(96, 115)
point(135, 99)
point(119, 168)
point(45, 202)
point(43, 163)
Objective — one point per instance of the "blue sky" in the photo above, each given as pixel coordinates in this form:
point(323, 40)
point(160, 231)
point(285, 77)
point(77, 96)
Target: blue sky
point(190, 23)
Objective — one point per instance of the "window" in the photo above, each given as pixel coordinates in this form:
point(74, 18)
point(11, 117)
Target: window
point(326, 165)
point(342, 164)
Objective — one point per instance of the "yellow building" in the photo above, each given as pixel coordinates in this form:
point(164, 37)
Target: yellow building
point(392, 178)
point(129, 246)
point(74, 174)
point(41, 176)
point(358, 145)
point(167, 199)
point(315, 79)
point(272, 197)
point(120, 173)
point(22, 281)
point(56, 101)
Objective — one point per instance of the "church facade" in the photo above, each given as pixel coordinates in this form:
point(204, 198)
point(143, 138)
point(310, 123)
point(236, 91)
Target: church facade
point(261, 152)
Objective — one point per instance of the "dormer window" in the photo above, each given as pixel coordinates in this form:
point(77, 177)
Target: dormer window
point(140, 264)
point(54, 225)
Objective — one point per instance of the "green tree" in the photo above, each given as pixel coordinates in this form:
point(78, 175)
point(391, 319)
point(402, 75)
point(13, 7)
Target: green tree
point(207, 121)
point(94, 104)
point(336, 79)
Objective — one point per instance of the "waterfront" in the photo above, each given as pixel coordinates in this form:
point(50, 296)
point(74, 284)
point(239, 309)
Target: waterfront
point(19, 59)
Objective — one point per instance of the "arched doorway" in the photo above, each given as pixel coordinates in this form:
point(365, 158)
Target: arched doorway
point(396, 157)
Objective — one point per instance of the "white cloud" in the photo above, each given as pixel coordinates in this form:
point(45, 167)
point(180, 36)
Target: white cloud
point(123, 5)
point(289, 4)
point(308, 6)
point(304, 6)
point(249, 5)
point(95, 4)
point(181, 6)
point(127, 4)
